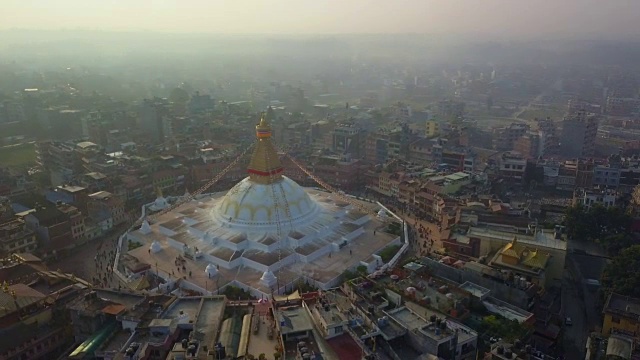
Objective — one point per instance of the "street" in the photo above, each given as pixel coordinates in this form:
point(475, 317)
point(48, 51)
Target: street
point(575, 336)
point(580, 303)
point(92, 261)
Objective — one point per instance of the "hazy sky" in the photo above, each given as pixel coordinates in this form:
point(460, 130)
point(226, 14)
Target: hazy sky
point(584, 18)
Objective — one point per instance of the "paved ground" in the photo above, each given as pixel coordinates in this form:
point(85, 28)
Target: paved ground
point(92, 261)
point(579, 303)
point(575, 336)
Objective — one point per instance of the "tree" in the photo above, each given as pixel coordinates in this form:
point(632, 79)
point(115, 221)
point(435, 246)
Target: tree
point(596, 222)
point(616, 243)
point(621, 275)
point(509, 330)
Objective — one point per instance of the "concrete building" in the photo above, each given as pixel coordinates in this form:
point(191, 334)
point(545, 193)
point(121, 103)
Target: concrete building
point(15, 237)
point(76, 219)
point(342, 172)
point(504, 138)
point(433, 128)
point(59, 159)
point(549, 245)
point(52, 228)
point(453, 159)
point(425, 152)
point(531, 145)
point(512, 165)
point(600, 196)
point(32, 322)
point(606, 175)
point(621, 315)
point(348, 139)
point(578, 137)
point(105, 209)
point(153, 120)
point(429, 333)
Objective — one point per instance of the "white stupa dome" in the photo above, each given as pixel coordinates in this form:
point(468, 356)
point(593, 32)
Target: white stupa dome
point(160, 203)
point(145, 228)
point(268, 279)
point(211, 270)
point(266, 198)
point(155, 247)
point(262, 205)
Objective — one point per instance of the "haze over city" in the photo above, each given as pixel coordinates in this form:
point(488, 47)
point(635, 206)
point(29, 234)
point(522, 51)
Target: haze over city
point(319, 180)
point(472, 18)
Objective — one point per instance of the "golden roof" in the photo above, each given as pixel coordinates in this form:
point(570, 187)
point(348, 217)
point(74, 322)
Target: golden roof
point(527, 256)
point(513, 249)
point(265, 166)
point(536, 259)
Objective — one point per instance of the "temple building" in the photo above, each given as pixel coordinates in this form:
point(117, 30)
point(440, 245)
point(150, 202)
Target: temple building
point(265, 234)
point(524, 261)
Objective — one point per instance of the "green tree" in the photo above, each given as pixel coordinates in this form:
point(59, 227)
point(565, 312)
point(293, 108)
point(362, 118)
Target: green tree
point(596, 222)
point(389, 252)
point(621, 275)
point(509, 330)
point(614, 244)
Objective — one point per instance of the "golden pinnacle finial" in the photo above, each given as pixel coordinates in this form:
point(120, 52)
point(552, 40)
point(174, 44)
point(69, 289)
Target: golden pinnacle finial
point(263, 119)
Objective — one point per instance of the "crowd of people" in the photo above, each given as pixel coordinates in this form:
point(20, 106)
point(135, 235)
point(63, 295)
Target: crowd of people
point(104, 260)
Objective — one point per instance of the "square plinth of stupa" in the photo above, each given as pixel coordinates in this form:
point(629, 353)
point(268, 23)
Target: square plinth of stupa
point(318, 248)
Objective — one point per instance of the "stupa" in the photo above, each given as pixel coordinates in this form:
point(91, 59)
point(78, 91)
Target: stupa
point(160, 203)
point(266, 231)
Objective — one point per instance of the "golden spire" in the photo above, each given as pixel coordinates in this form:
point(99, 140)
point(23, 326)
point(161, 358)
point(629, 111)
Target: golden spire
point(515, 240)
point(158, 192)
point(265, 167)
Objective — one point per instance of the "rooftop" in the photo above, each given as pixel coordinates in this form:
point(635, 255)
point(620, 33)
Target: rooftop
point(540, 238)
point(475, 290)
point(506, 310)
point(17, 296)
point(623, 305)
point(293, 319)
point(71, 188)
